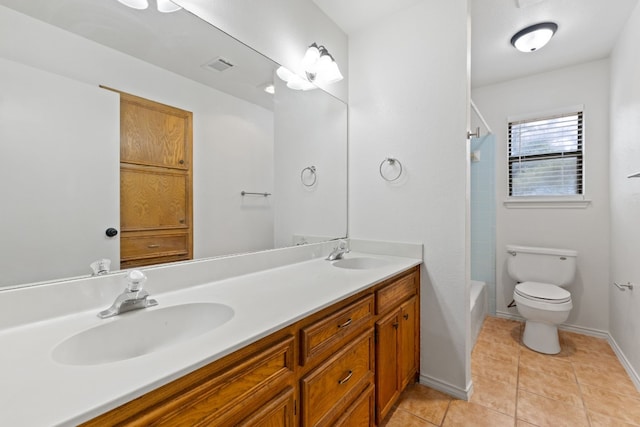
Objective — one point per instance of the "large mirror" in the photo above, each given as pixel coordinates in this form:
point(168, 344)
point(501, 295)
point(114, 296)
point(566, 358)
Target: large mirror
point(60, 136)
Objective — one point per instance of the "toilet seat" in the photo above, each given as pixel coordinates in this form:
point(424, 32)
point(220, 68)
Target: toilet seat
point(542, 292)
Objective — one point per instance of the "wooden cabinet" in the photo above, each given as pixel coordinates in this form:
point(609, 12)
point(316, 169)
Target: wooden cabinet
point(155, 183)
point(325, 336)
point(237, 389)
point(331, 388)
point(343, 366)
point(278, 412)
point(397, 350)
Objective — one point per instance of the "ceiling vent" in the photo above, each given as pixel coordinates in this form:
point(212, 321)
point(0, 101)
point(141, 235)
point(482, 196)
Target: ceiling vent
point(219, 64)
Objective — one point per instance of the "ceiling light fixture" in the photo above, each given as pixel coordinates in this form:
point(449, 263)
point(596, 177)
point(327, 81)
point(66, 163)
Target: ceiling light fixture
point(534, 37)
point(164, 6)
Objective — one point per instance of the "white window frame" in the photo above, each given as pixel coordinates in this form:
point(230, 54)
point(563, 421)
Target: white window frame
point(579, 201)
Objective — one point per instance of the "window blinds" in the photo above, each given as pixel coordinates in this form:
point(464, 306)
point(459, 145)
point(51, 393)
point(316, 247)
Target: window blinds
point(545, 156)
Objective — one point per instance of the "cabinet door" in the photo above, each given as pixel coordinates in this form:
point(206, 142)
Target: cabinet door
point(408, 342)
point(387, 389)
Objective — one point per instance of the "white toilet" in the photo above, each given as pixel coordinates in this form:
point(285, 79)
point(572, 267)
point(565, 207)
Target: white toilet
point(539, 296)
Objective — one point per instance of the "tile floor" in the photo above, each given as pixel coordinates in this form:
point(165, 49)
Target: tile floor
point(584, 385)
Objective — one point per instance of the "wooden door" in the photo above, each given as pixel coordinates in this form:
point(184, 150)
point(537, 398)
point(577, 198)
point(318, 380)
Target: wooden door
point(386, 363)
point(156, 218)
point(408, 342)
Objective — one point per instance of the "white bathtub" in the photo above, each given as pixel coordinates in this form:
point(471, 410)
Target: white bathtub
point(478, 307)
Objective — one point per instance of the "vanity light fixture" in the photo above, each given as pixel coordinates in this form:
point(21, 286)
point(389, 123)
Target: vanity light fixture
point(164, 6)
point(293, 80)
point(534, 37)
point(319, 65)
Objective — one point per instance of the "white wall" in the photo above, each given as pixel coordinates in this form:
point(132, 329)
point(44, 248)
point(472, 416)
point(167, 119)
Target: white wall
point(310, 130)
point(624, 313)
point(232, 139)
point(585, 230)
point(52, 130)
point(408, 99)
point(280, 29)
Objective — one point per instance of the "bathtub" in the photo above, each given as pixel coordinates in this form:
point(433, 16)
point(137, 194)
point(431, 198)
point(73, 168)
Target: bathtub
point(478, 307)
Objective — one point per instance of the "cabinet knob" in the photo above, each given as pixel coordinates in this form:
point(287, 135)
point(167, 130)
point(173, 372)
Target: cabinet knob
point(395, 325)
point(111, 232)
point(406, 316)
point(181, 162)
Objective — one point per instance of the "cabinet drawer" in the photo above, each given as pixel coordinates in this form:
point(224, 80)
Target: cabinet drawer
point(135, 247)
point(330, 387)
point(396, 292)
point(278, 412)
point(329, 332)
point(212, 397)
point(360, 413)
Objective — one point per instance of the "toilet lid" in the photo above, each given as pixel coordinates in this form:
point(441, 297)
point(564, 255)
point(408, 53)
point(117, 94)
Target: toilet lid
point(543, 292)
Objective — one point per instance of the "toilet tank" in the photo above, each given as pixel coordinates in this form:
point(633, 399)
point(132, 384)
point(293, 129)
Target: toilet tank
point(546, 265)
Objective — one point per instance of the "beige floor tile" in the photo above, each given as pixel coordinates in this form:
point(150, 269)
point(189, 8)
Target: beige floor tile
point(465, 414)
point(610, 376)
point(494, 395)
point(542, 411)
point(399, 418)
point(547, 364)
point(505, 353)
point(547, 385)
point(614, 405)
point(488, 367)
point(509, 335)
point(599, 420)
point(424, 402)
point(585, 342)
point(520, 423)
point(493, 321)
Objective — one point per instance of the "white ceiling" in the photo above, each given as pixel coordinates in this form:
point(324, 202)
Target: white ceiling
point(587, 30)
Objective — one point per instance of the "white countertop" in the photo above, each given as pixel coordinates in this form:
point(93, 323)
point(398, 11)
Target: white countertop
point(35, 390)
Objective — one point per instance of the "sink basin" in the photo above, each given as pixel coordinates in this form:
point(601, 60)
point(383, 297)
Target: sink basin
point(141, 332)
point(360, 263)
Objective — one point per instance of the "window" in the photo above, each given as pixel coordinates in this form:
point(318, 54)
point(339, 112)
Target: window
point(545, 156)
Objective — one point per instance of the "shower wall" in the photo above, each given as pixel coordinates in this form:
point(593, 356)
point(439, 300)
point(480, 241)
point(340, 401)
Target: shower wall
point(483, 215)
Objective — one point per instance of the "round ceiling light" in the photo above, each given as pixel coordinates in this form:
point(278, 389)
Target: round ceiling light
point(534, 37)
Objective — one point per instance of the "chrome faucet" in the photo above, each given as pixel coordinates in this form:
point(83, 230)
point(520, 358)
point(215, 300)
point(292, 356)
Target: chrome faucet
point(133, 297)
point(339, 251)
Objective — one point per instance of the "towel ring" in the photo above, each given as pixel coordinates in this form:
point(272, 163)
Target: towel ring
point(312, 173)
point(391, 162)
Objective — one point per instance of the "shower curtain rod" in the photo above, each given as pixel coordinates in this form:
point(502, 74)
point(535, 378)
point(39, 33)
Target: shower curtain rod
point(484, 122)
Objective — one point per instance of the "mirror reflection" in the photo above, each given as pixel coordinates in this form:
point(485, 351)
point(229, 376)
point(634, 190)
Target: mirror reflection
point(167, 169)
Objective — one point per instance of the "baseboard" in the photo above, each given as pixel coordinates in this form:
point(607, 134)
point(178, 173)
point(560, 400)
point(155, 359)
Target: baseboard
point(445, 387)
point(624, 361)
point(594, 333)
point(585, 331)
point(510, 316)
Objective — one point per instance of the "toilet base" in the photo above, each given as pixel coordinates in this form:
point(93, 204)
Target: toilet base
point(541, 337)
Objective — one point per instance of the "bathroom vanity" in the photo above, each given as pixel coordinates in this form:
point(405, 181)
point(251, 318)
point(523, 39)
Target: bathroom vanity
point(310, 342)
point(322, 370)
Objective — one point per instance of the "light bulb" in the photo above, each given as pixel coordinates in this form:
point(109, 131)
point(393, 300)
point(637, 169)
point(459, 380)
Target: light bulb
point(310, 58)
point(167, 6)
point(135, 4)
